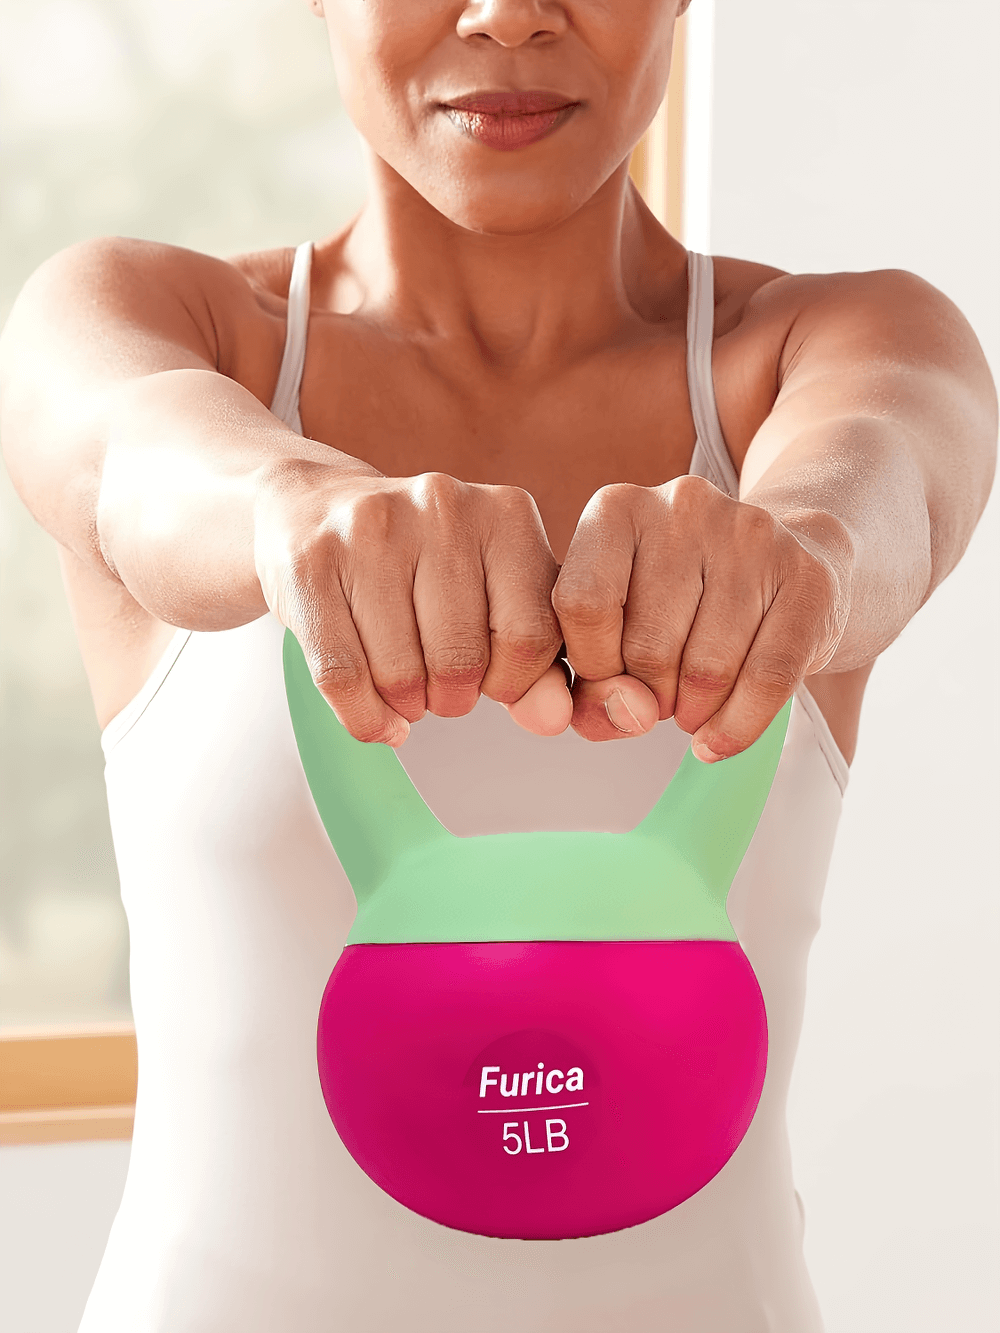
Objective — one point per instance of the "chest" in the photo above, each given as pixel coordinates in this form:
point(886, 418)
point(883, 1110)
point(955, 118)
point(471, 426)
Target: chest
point(622, 415)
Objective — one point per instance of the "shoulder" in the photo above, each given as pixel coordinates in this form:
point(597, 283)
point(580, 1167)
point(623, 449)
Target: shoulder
point(754, 302)
point(117, 267)
point(748, 294)
point(162, 288)
point(770, 325)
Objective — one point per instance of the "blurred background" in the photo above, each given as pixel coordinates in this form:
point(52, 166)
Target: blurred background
point(819, 135)
point(203, 123)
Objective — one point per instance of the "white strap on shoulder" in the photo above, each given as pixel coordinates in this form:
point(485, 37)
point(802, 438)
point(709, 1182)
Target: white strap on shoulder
point(285, 404)
point(701, 389)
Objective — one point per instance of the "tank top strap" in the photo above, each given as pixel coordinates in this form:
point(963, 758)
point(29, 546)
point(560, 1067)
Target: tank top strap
point(285, 403)
point(711, 457)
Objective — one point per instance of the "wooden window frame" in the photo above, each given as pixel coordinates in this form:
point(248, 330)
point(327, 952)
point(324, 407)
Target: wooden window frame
point(657, 165)
point(60, 1085)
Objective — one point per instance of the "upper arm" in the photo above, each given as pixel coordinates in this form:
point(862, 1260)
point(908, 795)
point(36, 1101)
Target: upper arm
point(93, 316)
point(881, 353)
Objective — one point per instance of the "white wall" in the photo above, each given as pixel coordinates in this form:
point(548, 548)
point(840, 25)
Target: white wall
point(59, 1201)
point(857, 134)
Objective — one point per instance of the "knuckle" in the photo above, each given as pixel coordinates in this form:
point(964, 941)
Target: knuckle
point(645, 652)
point(371, 518)
point(617, 499)
point(340, 676)
point(756, 524)
point(706, 680)
point(344, 682)
point(511, 519)
point(457, 667)
point(308, 556)
point(773, 673)
point(689, 495)
point(404, 683)
point(616, 493)
point(514, 500)
point(439, 492)
point(526, 647)
point(646, 665)
point(585, 605)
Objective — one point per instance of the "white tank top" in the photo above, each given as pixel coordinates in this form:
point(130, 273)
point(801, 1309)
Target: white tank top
point(243, 1212)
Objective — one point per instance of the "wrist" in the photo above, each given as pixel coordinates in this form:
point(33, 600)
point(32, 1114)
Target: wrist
point(292, 499)
point(305, 475)
point(827, 539)
point(822, 534)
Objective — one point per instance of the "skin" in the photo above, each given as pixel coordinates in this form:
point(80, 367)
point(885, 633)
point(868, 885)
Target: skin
point(498, 423)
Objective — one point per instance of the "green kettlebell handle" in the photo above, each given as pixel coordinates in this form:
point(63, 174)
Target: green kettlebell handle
point(377, 821)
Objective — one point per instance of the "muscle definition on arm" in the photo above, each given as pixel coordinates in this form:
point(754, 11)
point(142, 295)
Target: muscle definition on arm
point(405, 593)
point(861, 482)
point(885, 423)
point(859, 492)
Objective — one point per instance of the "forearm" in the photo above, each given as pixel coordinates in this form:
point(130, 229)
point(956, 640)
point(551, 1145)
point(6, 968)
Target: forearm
point(856, 492)
point(882, 438)
point(190, 458)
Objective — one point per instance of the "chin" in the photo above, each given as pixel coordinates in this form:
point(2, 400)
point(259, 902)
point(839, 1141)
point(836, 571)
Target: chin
point(503, 220)
point(499, 194)
point(513, 207)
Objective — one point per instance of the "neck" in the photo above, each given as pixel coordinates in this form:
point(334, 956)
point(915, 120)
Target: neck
point(514, 302)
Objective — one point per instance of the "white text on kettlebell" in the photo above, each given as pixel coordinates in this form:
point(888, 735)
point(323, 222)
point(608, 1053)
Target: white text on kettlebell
point(556, 1138)
point(523, 1085)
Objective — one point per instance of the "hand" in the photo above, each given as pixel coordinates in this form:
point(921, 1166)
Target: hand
point(409, 594)
point(678, 601)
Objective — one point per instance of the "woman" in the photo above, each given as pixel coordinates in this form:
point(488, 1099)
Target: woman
point(501, 412)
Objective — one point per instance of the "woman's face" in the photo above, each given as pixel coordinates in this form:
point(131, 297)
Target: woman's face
point(506, 115)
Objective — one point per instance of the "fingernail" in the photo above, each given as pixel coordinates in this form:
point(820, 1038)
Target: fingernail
point(705, 753)
point(620, 715)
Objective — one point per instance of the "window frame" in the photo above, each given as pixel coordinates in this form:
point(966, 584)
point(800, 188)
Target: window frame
point(66, 1084)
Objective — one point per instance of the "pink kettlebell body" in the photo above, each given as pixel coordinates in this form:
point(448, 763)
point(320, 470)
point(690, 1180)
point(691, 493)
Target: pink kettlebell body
point(542, 1090)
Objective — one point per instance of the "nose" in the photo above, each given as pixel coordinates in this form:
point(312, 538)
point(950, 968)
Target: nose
point(513, 22)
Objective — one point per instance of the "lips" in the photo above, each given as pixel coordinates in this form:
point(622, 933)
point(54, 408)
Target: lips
point(509, 120)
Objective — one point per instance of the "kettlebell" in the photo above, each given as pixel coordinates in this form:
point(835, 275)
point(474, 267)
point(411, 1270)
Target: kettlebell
point(536, 1035)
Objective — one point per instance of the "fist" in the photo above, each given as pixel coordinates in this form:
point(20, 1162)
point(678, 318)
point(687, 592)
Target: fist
point(677, 601)
point(410, 594)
